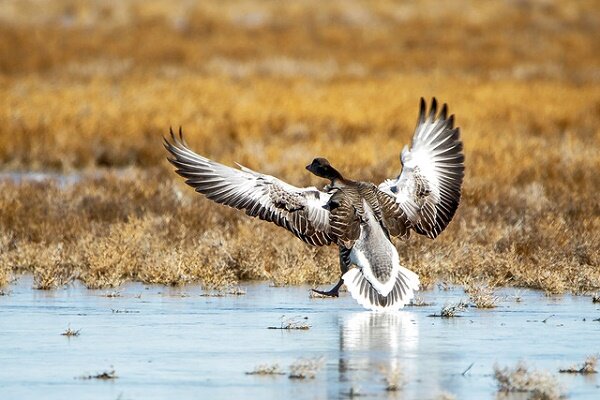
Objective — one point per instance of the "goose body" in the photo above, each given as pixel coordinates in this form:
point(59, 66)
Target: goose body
point(359, 217)
point(378, 282)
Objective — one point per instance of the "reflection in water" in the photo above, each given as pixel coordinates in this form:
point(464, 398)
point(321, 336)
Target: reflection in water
point(373, 332)
point(374, 342)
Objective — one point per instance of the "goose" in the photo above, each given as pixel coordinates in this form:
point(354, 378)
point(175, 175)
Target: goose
point(359, 217)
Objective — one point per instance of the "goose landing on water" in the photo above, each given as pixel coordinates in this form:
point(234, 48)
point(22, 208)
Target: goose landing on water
point(359, 217)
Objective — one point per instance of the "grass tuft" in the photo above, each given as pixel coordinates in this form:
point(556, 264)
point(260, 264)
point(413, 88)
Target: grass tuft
point(482, 296)
point(452, 310)
point(106, 375)
point(588, 367)
point(293, 323)
point(306, 368)
point(266, 369)
point(71, 332)
point(419, 302)
point(230, 291)
point(539, 385)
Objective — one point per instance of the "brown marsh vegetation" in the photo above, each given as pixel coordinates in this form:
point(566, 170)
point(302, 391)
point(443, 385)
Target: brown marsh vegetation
point(266, 369)
point(88, 88)
point(482, 296)
point(306, 368)
point(302, 368)
point(71, 332)
point(292, 323)
point(104, 376)
point(539, 385)
point(452, 310)
point(588, 367)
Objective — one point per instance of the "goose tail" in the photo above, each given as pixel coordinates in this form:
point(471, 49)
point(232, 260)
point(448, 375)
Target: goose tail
point(405, 286)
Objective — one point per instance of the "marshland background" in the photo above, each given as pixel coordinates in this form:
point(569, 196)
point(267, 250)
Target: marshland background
point(88, 88)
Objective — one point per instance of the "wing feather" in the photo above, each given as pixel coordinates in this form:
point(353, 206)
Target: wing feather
point(429, 188)
point(302, 211)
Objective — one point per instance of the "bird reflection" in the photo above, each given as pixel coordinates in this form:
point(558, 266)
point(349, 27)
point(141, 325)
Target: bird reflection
point(371, 341)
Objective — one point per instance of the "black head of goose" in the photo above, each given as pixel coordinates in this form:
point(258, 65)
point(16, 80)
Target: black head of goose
point(322, 168)
point(359, 217)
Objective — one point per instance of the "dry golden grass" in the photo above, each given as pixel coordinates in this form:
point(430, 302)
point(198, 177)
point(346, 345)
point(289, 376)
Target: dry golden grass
point(89, 87)
point(142, 227)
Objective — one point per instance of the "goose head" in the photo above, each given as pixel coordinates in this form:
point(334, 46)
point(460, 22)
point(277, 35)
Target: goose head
point(322, 168)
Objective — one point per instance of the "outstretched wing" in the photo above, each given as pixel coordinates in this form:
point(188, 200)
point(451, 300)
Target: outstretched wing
point(427, 192)
point(299, 210)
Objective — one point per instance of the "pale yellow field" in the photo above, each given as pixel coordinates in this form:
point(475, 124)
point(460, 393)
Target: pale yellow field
point(90, 88)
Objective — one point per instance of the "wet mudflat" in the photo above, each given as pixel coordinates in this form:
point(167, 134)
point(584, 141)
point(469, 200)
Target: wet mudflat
point(151, 342)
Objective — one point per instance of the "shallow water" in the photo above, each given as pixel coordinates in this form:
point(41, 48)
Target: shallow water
point(32, 176)
point(63, 180)
point(174, 343)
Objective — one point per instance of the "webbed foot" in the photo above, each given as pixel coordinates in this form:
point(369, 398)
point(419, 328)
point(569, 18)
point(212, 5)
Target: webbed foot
point(329, 293)
point(334, 292)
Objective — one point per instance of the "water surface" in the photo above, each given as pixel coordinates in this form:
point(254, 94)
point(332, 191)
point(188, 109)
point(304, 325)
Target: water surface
point(175, 343)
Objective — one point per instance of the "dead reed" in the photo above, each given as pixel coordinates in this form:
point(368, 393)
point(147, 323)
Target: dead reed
point(104, 376)
point(539, 385)
point(266, 369)
point(418, 301)
point(452, 310)
point(306, 368)
point(588, 367)
point(71, 332)
point(293, 323)
point(482, 296)
point(271, 87)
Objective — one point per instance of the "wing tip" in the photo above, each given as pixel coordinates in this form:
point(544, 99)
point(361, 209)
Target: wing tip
point(431, 112)
point(176, 140)
point(433, 109)
point(422, 111)
point(444, 112)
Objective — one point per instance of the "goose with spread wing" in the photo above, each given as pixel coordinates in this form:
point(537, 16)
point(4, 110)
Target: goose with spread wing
point(359, 217)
